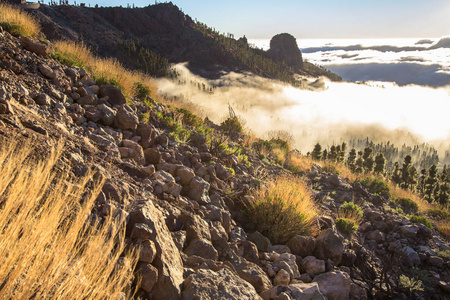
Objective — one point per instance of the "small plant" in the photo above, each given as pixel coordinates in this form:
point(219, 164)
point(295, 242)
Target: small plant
point(283, 209)
point(422, 220)
point(106, 81)
point(444, 254)
point(399, 210)
point(408, 204)
point(410, 284)
point(330, 168)
point(231, 125)
point(232, 171)
point(439, 213)
point(141, 91)
point(346, 226)
point(350, 208)
point(377, 186)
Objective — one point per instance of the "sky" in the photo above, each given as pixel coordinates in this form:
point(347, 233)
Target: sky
point(262, 19)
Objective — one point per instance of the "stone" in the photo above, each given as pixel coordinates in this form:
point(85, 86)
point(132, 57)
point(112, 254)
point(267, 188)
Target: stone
point(376, 235)
point(330, 244)
point(152, 156)
point(147, 134)
point(108, 114)
point(114, 94)
point(253, 274)
point(307, 291)
point(313, 266)
point(409, 257)
point(147, 251)
point(284, 48)
point(92, 113)
point(43, 99)
point(46, 71)
point(148, 276)
point(137, 151)
point(167, 183)
point(94, 89)
point(202, 248)
point(409, 230)
point(249, 251)
point(141, 231)
point(288, 262)
point(357, 292)
point(126, 118)
point(150, 170)
point(334, 285)
point(199, 190)
point(261, 242)
point(86, 100)
point(168, 260)
point(179, 238)
point(279, 249)
point(34, 46)
point(185, 174)
point(195, 227)
point(222, 172)
point(282, 278)
point(210, 285)
point(302, 245)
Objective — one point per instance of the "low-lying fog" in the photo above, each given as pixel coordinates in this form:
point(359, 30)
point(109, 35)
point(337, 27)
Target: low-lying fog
point(378, 110)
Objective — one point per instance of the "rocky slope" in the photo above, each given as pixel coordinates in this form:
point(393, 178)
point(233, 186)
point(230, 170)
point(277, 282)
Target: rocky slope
point(166, 30)
point(195, 241)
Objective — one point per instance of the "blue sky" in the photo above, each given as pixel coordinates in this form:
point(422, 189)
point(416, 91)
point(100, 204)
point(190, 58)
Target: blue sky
point(316, 18)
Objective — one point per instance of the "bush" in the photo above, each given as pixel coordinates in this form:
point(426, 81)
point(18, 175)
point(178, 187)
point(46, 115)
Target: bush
point(141, 91)
point(231, 125)
point(407, 203)
point(377, 187)
point(50, 246)
point(346, 226)
point(439, 213)
point(17, 22)
point(444, 254)
point(283, 209)
point(330, 168)
point(422, 220)
point(350, 208)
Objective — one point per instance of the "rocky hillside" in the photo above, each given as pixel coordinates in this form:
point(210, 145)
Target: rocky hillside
point(165, 30)
point(184, 202)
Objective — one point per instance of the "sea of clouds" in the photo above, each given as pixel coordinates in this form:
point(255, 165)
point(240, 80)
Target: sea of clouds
point(382, 110)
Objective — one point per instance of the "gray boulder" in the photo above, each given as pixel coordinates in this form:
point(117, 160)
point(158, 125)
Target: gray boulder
point(334, 285)
point(114, 94)
point(126, 118)
point(330, 244)
point(302, 245)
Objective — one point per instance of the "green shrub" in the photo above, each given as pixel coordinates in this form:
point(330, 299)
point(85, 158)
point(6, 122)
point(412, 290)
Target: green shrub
point(350, 208)
point(141, 91)
point(346, 226)
point(107, 81)
point(407, 203)
point(444, 254)
point(231, 125)
point(422, 220)
point(410, 284)
point(330, 168)
point(377, 187)
point(439, 213)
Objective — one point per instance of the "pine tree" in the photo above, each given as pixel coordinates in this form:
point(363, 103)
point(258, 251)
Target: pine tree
point(368, 159)
point(396, 174)
point(333, 154)
point(431, 183)
point(359, 165)
point(317, 152)
point(324, 155)
point(351, 160)
point(380, 163)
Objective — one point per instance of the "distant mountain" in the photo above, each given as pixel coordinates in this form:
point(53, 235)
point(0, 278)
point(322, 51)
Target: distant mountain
point(145, 37)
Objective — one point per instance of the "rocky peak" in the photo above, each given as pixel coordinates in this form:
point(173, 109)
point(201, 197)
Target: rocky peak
point(283, 47)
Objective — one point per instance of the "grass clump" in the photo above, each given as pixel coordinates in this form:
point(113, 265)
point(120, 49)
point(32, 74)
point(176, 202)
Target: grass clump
point(377, 186)
point(444, 254)
point(346, 226)
point(408, 204)
point(50, 248)
point(104, 70)
point(439, 213)
point(422, 220)
point(330, 168)
point(282, 209)
point(17, 21)
point(141, 91)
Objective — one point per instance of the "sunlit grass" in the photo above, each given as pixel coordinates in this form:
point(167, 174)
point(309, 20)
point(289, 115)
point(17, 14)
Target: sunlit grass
point(73, 53)
point(48, 246)
point(282, 209)
point(17, 21)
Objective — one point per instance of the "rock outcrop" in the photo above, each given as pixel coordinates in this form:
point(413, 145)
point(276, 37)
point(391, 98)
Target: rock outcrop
point(284, 48)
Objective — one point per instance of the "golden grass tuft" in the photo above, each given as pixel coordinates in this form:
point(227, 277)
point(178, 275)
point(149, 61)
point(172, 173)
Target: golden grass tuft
point(17, 21)
point(110, 69)
point(283, 208)
point(48, 246)
point(302, 162)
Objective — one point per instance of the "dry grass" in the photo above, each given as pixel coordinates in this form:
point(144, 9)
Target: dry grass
point(49, 249)
point(279, 155)
point(17, 21)
point(282, 209)
point(351, 211)
point(107, 68)
point(301, 162)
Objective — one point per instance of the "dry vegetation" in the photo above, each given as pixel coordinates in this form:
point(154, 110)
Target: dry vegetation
point(50, 248)
point(18, 22)
point(282, 209)
point(106, 68)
